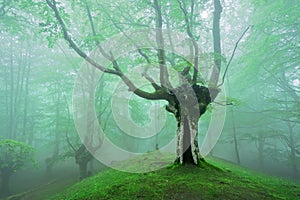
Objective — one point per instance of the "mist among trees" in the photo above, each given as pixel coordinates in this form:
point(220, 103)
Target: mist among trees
point(90, 85)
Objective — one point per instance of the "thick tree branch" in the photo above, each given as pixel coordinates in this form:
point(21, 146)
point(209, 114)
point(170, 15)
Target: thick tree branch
point(172, 59)
point(72, 44)
point(217, 42)
point(188, 23)
point(147, 77)
point(164, 76)
point(160, 94)
point(157, 95)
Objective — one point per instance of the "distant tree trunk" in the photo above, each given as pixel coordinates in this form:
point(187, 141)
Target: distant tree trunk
point(49, 165)
point(11, 97)
point(83, 173)
point(31, 133)
point(82, 155)
point(7, 124)
point(14, 87)
point(25, 116)
point(82, 158)
point(156, 124)
point(292, 147)
point(50, 161)
point(5, 177)
point(91, 167)
point(261, 144)
point(236, 148)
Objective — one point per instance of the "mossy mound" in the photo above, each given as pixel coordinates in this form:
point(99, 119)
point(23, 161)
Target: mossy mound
point(184, 182)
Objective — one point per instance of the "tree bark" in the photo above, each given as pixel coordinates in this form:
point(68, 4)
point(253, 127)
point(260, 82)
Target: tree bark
point(187, 109)
point(187, 141)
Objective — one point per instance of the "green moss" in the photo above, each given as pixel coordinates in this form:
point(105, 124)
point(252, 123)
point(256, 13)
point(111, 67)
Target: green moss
point(184, 182)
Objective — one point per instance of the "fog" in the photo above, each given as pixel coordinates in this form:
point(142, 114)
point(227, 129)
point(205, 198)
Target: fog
point(64, 118)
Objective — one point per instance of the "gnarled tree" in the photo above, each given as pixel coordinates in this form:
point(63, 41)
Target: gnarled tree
point(187, 100)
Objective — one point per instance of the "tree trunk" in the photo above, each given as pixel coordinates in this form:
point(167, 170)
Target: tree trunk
point(82, 158)
point(5, 177)
point(187, 141)
point(83, 173)
point(261, 144)
point(11, 97)
point(188, 105)
point(26, 96)
point(235, 140)
point(49, 165)
point(293, 157)
point(217, 42)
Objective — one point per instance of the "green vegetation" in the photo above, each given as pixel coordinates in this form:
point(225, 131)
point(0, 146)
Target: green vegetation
point(13, 157)
point(184, 182)
point(111, 80)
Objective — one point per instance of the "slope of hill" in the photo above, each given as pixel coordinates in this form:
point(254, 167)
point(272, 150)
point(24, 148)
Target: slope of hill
point(183, 182)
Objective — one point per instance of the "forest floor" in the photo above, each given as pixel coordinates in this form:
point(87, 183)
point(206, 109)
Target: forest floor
point(43, 191)
point(183, 182)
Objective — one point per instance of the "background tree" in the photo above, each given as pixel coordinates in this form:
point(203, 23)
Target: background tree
point(281, 74)
point(13, 156)
point(269, 61)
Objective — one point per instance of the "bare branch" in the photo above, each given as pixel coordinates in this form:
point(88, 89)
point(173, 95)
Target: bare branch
point(102, 51)
point(124, 33)
point(157, 95)
point(232, 55)
point(70, 144)
point(154, 84)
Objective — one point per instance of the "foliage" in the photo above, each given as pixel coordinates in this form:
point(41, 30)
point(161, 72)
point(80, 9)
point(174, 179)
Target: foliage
point(265, 81)
point(263, 77)
point(18, 17)
point(14, 155)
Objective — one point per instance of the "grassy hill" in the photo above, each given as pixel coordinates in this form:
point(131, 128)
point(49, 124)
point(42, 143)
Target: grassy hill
point(184, 182)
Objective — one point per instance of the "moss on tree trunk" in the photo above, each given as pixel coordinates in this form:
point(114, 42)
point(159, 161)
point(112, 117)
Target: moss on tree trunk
point(188, 105)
